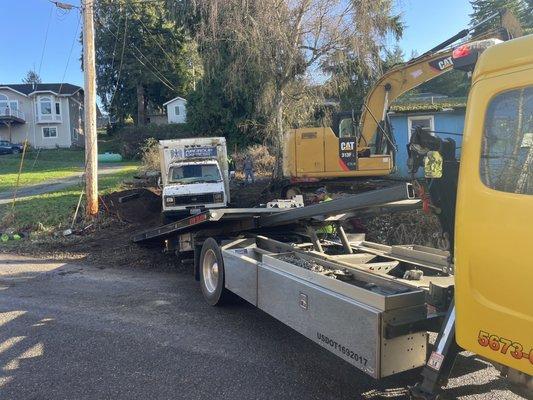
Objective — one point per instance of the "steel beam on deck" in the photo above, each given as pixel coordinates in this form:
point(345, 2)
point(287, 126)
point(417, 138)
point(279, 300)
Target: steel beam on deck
point(361, 201)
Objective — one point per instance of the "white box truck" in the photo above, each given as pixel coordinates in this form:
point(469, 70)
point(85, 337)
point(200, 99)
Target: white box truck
point(194, 175)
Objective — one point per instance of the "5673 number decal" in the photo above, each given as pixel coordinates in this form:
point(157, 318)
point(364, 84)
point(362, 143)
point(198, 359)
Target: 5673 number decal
point(504, 346)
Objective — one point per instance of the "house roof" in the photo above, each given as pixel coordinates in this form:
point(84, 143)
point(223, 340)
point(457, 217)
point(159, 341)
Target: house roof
point(174, 99)
point(437, 105)
point(58, 88)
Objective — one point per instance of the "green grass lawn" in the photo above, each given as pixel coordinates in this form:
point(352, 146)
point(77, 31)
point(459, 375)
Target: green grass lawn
point(47, 165)
point(55, 210)
point(39, 167)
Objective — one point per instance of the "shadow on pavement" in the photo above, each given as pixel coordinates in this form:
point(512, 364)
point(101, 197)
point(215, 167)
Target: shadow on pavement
point(74, 331)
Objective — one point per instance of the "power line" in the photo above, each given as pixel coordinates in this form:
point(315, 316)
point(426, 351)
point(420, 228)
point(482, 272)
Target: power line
point(70, 53)
point(152, 36)
point(45, 38)
point(158, 74)
point(121, 58)
point(140, 2)
point(63, 6)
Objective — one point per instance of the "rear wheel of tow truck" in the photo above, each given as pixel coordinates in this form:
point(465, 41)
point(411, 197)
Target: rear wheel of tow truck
point(211, 268)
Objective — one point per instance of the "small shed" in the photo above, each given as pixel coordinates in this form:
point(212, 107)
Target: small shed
point(445, 117)
point(176, 110)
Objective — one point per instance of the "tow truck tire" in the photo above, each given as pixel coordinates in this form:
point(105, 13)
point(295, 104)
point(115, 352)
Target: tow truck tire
point(211, 270)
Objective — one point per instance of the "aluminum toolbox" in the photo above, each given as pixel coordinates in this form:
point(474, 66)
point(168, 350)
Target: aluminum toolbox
point(344, 318)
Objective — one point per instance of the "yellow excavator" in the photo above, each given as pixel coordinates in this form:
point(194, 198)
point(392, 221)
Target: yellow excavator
point(314, 156)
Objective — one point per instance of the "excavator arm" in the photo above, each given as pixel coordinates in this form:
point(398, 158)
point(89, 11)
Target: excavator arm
point(428, 66)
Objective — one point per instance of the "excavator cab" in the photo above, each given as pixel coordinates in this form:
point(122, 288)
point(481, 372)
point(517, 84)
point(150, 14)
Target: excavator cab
point(345, 124)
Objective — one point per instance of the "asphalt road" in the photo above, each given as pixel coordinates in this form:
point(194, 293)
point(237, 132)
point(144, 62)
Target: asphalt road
point(73, 331)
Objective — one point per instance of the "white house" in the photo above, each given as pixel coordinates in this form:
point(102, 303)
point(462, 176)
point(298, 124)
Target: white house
point(48, 115)
point(176, 110)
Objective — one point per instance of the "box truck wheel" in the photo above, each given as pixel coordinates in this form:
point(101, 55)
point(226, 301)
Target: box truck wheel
point(212, 273)
point(288, 192)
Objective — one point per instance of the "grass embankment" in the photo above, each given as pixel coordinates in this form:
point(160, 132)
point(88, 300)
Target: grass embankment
point(55, 210)
point(39, 167)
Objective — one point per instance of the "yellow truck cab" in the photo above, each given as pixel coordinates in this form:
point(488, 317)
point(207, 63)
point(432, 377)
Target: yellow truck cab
point(494, 218)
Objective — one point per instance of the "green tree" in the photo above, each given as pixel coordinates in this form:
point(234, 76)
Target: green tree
point(351, 79)
point(283, 43)
point(453, 83)
point(393, 57)
point(143, 57)
point(216, 107)
point(522, 9)
point(31, 77)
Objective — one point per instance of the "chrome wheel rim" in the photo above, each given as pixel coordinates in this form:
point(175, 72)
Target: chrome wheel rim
point(210, 271)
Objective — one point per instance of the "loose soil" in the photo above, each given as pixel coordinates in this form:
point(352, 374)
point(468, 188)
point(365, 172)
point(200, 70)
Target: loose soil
point(108, 241)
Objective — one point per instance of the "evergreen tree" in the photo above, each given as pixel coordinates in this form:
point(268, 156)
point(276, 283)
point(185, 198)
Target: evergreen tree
point(522, 9)
point(31, 77)
point(143, 57)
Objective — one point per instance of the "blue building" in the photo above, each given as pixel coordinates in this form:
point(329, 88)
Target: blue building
point(445, 116)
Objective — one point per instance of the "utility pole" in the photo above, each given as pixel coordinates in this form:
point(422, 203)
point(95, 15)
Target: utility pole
point(91, 143)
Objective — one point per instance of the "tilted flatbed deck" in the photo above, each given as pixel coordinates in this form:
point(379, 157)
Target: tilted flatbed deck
point(395, 198)
point(246, 217)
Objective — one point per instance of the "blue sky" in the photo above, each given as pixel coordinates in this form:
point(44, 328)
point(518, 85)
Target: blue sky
point(24, 24)
point(430, 22)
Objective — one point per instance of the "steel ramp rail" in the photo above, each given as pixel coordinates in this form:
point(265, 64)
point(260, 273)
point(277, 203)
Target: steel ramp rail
point(379, 199)
point(202, 219)
point(399, 197)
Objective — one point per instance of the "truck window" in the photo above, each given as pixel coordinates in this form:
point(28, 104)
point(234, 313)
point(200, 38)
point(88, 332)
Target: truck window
point(194, 173)
point(507, 145)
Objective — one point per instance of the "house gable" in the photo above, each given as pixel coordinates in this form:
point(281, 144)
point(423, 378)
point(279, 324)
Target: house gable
point(176, 110)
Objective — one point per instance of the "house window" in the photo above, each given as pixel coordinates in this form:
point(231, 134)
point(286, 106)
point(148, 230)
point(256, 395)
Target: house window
point(58, 108)
point(506, 162)
point(177, 110)
point(49, 132)
point(4, 103)
point(45, 106)
point(426, 122)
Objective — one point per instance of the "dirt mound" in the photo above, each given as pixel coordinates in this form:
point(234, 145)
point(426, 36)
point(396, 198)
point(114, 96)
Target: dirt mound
point(107, 240)
point(133, 206)
point(245, 195)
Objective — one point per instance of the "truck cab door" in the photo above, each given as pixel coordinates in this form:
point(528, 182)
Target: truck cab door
point(309, 150)
point(494, 222)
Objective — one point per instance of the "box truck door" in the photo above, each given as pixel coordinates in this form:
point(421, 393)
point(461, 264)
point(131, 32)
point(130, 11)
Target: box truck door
point(494, 222)
point(309, 150)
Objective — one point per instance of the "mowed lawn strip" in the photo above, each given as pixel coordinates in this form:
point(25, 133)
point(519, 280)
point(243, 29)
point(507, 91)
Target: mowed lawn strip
point(39, 167)
point(56, 209)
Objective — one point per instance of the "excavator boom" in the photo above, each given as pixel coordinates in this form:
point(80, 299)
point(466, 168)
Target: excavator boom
point(428, 66)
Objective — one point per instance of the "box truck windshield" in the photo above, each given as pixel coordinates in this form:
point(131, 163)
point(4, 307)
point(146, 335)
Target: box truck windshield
point(195, 173)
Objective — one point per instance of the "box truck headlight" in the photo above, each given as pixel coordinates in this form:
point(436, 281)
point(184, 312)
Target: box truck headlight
point(169, 200)
point(218, 197)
